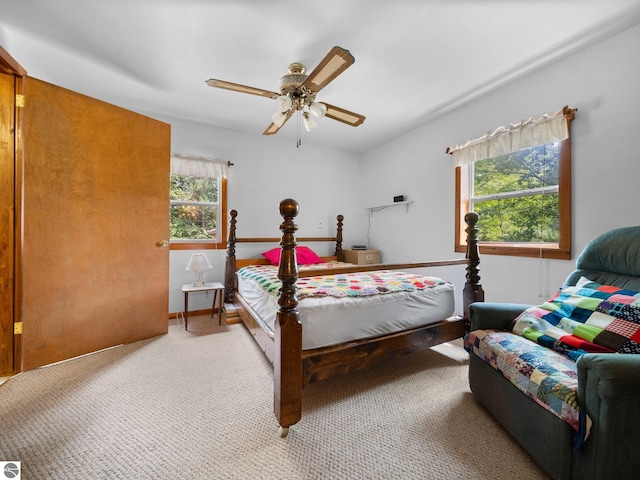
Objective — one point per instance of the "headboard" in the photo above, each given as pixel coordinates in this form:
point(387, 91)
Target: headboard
point(233, 263)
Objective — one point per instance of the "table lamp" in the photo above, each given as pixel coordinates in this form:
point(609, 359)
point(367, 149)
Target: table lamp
point(199, 263)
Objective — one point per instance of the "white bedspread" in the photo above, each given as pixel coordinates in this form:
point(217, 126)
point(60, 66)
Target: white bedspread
point(331, 321)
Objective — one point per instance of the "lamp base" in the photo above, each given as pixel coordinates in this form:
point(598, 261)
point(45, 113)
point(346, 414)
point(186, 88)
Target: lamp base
point(198, 282)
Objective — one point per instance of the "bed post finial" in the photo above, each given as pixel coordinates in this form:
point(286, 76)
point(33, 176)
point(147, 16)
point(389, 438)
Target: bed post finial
point(339, 254)
point(473, 291)
point(230, 264)
point(288, 269)
point(289, 208)
point(287, 386)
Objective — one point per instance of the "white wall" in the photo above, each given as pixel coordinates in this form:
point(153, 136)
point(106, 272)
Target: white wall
point(265, 171)
point(603, 83)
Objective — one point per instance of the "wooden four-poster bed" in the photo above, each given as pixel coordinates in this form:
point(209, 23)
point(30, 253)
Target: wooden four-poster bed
point(295, 364)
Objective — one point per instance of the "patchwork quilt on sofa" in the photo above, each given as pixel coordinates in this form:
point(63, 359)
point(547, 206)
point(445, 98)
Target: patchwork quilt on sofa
point(548, 378)
point(539, 355)
point(586, 318)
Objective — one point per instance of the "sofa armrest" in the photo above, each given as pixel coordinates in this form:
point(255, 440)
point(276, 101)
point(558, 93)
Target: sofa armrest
point(494, 316)
point(609, 391)
point(610, 376)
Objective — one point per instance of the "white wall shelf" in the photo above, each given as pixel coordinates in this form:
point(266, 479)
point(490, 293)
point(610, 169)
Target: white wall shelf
point(382, 207)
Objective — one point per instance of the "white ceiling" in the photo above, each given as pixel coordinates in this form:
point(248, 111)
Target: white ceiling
point(415, 59)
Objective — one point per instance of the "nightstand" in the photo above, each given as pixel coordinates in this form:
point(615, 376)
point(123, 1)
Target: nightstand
point(218, 291)
point(362, 257)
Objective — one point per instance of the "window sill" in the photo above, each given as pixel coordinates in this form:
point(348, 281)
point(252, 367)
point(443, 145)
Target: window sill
point(196, 245)
point(548, 250)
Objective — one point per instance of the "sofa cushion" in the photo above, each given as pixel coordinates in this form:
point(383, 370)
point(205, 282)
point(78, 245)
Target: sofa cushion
point(547, 377)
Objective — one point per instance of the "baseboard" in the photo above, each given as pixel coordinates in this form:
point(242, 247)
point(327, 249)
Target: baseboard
point(229, 314)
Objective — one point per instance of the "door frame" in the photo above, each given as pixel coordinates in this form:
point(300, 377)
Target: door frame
point(11, 325)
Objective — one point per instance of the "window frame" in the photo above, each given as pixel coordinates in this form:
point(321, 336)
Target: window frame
point(560, 250)
point(221, 240)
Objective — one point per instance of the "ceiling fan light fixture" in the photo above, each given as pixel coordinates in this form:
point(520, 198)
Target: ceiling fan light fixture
point(283, 103)
point(318, 109)
point(308, 122)
point(279, 118)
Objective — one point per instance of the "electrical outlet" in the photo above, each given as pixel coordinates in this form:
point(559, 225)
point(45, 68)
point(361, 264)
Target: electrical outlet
point(320, 225)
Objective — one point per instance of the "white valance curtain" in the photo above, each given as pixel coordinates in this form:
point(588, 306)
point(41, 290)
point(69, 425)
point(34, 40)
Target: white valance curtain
point(526, 134)
point(196, 166)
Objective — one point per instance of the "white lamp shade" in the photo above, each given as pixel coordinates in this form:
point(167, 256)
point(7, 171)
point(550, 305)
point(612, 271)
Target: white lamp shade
point(199, 262)
point(283, 103)
point(278, 118)
point(308, 122)
point(318, 109)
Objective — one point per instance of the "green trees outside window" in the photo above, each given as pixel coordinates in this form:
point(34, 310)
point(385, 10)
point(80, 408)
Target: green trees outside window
point(194, 208)
point(516, 196)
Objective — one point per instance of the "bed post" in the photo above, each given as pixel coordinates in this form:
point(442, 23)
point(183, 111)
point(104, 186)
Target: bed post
point(287, 362)
point(339, 254)
point(473, 291)
point(230, 264)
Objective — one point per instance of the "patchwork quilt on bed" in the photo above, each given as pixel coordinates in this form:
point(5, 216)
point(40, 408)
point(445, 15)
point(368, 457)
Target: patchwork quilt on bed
point(342, 285)
point(586, 318)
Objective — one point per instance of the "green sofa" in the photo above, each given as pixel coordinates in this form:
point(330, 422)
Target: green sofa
point(608, 383)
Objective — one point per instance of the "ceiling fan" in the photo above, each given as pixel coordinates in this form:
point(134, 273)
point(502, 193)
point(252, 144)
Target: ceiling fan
point(298, 92)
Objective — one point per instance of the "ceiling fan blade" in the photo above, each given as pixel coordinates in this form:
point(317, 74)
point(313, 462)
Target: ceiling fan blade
point(273, 128)
point(344, 116)
point(236, 87)
point(333, 64)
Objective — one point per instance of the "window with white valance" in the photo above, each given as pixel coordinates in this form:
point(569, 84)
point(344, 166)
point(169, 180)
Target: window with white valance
point(518, 179)
point(195, 166)
point(198, 202)
point(526, 134)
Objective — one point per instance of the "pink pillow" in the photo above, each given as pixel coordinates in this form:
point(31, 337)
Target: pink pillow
point(304, 255)
point(273, 256)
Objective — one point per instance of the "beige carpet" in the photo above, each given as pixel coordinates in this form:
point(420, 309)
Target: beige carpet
point(198, 405)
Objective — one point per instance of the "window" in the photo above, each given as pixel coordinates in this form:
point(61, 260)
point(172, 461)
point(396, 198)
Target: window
point(197, 203)
point(194, 207)
point(523, 194)
point(516, 195)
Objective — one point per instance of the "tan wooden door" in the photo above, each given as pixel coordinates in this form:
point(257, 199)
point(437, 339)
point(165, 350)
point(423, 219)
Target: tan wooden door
point(96, 202)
